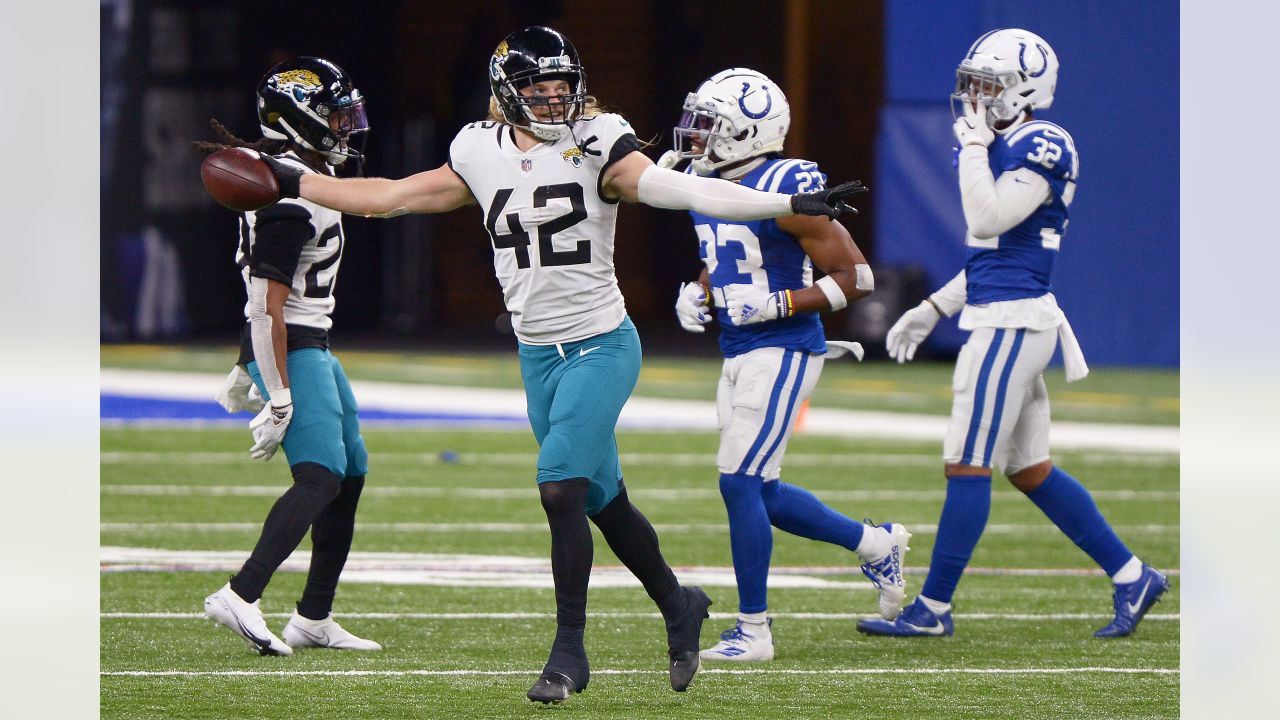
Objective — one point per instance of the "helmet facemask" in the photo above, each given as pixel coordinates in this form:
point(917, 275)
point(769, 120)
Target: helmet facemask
point(736, 115)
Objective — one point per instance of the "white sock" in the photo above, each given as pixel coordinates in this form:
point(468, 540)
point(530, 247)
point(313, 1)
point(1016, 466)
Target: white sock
point(875, 543)
point(760, 618)
point(937, 608)
point(1130, 573)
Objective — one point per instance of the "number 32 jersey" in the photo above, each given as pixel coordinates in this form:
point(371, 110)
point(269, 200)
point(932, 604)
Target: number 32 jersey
point(551, 227)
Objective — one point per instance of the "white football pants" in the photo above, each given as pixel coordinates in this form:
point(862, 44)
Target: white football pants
point(759, 396)
point(1000, 410)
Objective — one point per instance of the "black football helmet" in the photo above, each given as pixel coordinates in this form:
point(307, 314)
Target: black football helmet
point(532, 55)
point(311, 102)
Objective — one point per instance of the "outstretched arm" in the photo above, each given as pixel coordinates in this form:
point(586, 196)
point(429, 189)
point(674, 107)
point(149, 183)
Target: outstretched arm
point(431, 191)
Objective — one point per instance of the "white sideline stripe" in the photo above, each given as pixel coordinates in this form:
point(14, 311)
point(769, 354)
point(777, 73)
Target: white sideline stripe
point(843, 461)
point(641, 412)
point(648, 494)
point(672, 528)
point(704, 671)
point(1012, 617)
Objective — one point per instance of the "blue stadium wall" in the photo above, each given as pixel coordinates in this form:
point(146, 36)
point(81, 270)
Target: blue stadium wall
point(1117, 274)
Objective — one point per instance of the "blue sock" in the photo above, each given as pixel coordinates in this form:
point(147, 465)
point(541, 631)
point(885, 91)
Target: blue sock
point(797, 511)
point(1070, 506)
point(750, 539)
point(964, 517)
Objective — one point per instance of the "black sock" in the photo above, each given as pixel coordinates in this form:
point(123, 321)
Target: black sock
point(313, 488)
point(330, 543)
point(571, 548)
point(633, 540)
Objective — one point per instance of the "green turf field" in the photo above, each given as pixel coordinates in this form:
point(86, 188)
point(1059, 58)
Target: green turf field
point(1024, 617)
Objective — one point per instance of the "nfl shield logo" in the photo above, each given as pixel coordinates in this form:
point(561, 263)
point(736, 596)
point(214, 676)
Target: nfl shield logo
point(526, 165)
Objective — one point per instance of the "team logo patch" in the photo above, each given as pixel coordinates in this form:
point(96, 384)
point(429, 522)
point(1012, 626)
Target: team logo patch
point(495, 62)
point(300, 84)
point(573, 155)
point(526, 165)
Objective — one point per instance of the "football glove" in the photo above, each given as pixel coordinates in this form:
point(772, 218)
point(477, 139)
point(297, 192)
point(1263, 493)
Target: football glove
point(690, 306)
point(911, 330)
point(828, 201)
point(747, 304)
point(270, 425)
point(288, 176)
point(239, 393)
point(971, 127)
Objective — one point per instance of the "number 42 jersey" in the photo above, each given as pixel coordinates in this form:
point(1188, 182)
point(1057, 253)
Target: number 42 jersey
point(551, 226)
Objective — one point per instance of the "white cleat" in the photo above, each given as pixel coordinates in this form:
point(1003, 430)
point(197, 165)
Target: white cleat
point(885, 572)
point(227, 608)
point(304, 632)
point(744, 642)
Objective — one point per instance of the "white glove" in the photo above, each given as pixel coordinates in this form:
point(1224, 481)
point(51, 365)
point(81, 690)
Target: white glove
point(747, 304)
point(690, 304)
point(239, 393)
point(971, 127)
point(911, 330)
point(270, 425)
point(668, 159)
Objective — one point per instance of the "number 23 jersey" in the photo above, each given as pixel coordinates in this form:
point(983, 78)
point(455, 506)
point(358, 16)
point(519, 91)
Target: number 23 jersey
point(552, 229)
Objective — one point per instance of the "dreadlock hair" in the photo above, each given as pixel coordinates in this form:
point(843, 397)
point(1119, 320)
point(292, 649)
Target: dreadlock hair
point(229, 140)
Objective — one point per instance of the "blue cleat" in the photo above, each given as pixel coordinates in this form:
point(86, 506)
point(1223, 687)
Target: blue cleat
point(916, 621)
point(1132, 600)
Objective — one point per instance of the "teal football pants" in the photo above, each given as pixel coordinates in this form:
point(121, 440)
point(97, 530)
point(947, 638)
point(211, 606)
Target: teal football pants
point(326, 426)
point(575, 393)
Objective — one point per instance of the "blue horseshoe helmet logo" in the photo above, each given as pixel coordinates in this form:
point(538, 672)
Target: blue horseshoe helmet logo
point(1022, 59)
point(742, 105)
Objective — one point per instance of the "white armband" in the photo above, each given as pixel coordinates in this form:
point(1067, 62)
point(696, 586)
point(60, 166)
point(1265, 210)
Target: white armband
point(662, 188)
point(832, 290)
point(260, 335)
point(865, 280)
point(950, 298)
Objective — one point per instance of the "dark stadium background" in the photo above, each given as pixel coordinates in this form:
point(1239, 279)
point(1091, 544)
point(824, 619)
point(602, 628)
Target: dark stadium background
point(867, 81)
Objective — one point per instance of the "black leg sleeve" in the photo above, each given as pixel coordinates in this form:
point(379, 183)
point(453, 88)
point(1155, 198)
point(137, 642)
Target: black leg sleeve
point(330, 543)
point(314, 487)
point(571, 547)
point(633, 539)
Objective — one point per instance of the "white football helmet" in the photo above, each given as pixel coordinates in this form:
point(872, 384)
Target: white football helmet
point(737, 114)
point(1012, 70)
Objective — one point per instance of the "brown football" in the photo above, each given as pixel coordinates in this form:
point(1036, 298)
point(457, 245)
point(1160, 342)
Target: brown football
point(238, 180)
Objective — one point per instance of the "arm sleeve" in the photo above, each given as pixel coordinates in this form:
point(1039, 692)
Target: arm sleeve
point(950, 298)
point(260, 335)
point(279, 234)
point(717, 198)
point(991, 206)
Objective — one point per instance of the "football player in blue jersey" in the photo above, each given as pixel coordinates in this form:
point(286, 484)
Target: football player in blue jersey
point(288, 255)
point(1018, 176)
point(549, 168)
point(758, 276)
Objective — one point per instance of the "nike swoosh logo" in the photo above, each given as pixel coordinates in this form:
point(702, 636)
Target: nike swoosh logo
point(1021, 181)
point(931, 630)
point(584, 351)
point(322, 638)
point(1133, 607)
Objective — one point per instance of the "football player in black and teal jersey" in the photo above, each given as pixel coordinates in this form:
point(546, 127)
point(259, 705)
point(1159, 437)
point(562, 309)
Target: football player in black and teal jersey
point(547, 169)
point(758, 280)
point(289, 254)
point(1018, 176)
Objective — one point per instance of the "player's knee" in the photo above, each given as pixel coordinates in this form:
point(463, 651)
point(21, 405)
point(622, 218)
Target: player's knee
point(318, 479)
point(564, 496)
point(734, 487)
point(959, 469)
point(1029, 478)
point(357, 458)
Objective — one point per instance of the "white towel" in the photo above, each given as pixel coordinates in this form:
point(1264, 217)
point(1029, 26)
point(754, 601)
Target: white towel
point(1072, 356)
point(840, 348)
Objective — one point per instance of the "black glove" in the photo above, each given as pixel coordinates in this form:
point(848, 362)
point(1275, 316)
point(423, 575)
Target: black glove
point(288, 176)
point(829, 202)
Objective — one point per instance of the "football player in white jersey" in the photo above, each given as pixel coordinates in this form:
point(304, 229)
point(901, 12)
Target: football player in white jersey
point(1018, 176)
point(758, 276)
point(548, 169)
point(289, 254)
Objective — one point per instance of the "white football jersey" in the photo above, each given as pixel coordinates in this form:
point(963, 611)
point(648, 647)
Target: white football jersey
point(551, 229)
point(310, 300)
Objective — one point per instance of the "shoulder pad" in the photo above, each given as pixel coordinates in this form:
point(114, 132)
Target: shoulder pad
point(790, 176)
point(1045, 148)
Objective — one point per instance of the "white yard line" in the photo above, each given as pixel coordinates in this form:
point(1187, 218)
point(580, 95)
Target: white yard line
point(1000, 617)
point(508, 528)
point(468, 673)
point(640, 413)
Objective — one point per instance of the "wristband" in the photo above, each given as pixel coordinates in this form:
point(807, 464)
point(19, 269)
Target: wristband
point(786, 304)
point(832, 290)
point(706, 290)
point(935, 307)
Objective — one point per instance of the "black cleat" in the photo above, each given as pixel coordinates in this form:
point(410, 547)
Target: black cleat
point(552, 687)
point(683, 633)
